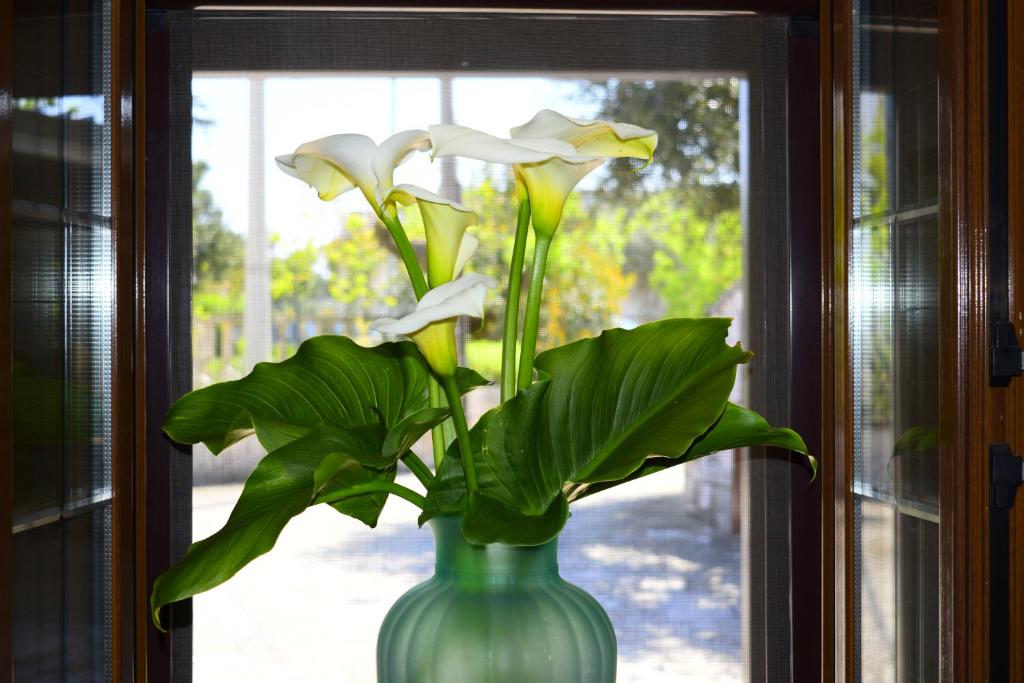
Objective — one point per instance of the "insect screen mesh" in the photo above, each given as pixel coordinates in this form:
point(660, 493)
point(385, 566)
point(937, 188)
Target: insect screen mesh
point(691, 564)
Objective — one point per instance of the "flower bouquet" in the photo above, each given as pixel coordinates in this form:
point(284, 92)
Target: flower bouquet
point(339, 419)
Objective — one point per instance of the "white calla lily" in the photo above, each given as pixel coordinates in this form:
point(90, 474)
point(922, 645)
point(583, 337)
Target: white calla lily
point(551, 153)
point(547, 168)
point(548, 184)
point(449, 246)
point(394, 151)
point(599, 138)
point(453, 140)
point(337, 163)
point(431, 325)
point(467, 248)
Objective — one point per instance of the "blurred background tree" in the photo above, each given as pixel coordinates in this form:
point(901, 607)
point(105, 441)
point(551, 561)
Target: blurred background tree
point(644, 243)
point(217, 253)
point(697, 121)
point(217, 278)
point(297, 285)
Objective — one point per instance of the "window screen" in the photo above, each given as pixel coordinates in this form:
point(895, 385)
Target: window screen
point(692, 564)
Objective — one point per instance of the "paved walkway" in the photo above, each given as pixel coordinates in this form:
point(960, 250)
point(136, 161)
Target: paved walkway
point(314, 604)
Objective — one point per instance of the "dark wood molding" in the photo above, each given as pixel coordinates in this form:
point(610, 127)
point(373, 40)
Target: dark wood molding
point(123, 420)
point(837, 420)
point(831, 612)
point(776, 7)
point(1015, 417)
point(965, 412)
point(6, 324)
point(805, 334)
point(167, 274)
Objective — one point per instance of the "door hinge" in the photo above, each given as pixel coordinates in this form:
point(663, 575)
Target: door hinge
point(1007, 475)
point(1006, 359)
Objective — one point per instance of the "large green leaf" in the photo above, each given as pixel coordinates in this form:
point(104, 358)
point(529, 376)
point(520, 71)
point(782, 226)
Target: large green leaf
point(408, 431)
point(490, 521)
point(330, 379)
point(506, 434)
point(335, 417)
point(738, 427)
point(619, 397)
point(282, 485)
point(602, 408)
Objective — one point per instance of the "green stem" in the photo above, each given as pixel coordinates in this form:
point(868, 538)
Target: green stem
point(515, 279)
point(372, 487)
point(532, 320)
point(451, 390)
point(437, 433)
point(419, 284)
point(418, 467)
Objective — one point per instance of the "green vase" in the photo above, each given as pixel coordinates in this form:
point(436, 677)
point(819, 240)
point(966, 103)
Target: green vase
point(495, 614)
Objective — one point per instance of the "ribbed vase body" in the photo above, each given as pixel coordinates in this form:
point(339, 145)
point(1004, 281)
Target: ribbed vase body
point(495, 614)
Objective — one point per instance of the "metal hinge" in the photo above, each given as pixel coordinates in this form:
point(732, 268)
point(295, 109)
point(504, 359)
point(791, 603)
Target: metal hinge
point(1006, 358)
point(1007, 475)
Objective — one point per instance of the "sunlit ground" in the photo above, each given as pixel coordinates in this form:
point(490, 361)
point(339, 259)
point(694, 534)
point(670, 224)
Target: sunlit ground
point(310, 610)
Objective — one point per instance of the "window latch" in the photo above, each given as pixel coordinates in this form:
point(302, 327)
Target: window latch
point(1007, 475)
point(1006, 358)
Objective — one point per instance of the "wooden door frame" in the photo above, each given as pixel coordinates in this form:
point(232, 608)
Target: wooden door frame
point(970, 407)
point(1014, 414)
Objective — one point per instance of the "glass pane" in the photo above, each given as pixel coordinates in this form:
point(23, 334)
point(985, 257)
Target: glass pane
point(893, 321)
point(63, 312)
point(274, 266)
point(38, 608)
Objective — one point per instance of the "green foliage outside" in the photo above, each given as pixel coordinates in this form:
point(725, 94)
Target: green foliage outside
point(674, 228)
point(338, 417)
point(875, 269)
point(217, 254)
point(217, 280)
point(698, 136)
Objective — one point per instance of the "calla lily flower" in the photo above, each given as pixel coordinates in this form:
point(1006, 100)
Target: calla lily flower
point(337, 163)
point(533, 160)
point(449, 246)
point(551, 153)
point(598, 138)
point(432, 324)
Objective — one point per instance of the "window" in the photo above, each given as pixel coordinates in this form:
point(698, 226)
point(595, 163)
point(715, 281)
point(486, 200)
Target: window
point(688, 563)
point(894, 312)
point(62, 310)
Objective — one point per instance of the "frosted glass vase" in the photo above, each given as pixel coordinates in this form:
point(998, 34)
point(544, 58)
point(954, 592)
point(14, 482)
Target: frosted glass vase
point(495, 614)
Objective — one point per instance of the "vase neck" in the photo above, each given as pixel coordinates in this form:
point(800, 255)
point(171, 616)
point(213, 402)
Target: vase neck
point(495, 563)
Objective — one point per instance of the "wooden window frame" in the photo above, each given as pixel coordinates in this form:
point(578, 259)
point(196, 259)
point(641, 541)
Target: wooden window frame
point(974, 415)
